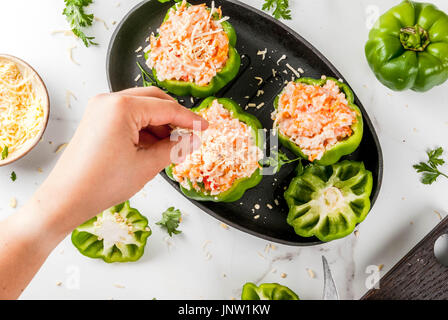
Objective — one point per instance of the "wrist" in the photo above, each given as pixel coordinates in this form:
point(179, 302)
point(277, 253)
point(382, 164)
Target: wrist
point(51, 214)
point(41, 222)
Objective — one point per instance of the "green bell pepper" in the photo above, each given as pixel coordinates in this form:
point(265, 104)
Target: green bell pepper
point(267, 291)
point(222, 78)
point(240, 186)
point(118, 234)
point(408, 47)
point(329, 201)
point(343, 147)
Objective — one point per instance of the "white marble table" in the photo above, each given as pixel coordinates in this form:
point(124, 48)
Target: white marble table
point(407, 123)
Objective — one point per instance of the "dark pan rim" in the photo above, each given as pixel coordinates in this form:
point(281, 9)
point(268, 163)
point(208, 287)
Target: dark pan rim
point(366, 119)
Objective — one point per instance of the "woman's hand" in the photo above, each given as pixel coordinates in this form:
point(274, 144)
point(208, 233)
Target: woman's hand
point(123, 141)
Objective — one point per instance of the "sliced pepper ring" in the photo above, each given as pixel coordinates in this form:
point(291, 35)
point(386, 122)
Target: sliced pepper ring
point(267, 291)
point(342, 148)
point(92, 240)
point(240, 186)
point(329, 201)
point(222, 78)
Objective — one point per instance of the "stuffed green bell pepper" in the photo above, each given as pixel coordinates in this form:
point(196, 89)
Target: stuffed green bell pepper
point(118, 234)
point(408, 47)
point(267, 291)
point(329, 201)
point(226, 164)
point(194, 52)
point(318, 120)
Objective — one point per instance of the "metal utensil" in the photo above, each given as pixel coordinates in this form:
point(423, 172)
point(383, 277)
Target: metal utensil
point(330, 290)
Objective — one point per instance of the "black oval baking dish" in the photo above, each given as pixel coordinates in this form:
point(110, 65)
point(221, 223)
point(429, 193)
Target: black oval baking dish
point(256, 31)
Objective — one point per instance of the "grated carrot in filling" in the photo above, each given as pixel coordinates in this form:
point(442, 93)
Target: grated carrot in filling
point(191, 46)
point(228, 152)
point(314, 117)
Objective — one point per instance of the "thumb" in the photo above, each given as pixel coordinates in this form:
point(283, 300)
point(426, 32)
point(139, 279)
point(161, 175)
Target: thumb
point(173, 149)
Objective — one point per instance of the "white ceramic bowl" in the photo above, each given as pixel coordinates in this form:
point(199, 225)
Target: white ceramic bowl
point(41, 91)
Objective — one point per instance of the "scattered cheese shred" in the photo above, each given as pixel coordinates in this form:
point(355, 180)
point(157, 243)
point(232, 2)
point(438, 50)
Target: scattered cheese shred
point(64, 32)
point(68, 95)
point(224, 226)
point(61, 147)
point(21, 111)
point(13, 202)
point(70, 55)
point(283, 57)
point(296, 73)
point(311, 273)
point(262, 53)
point(102, 21)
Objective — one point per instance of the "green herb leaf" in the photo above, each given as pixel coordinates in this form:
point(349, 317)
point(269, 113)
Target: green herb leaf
point(278, 159)
point(5, 153)
point(429, 169)
point(13, 176)
point(78, 19)
point(279, 8)
point(148, 81)
point(170, 221)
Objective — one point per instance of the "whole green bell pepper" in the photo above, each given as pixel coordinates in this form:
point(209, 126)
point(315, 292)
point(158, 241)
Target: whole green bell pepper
point(343, 147)
point(222, 78)
point(267, 291)
point(408, 47)
point(118, 234)
point(329, 201)
point(240, 186)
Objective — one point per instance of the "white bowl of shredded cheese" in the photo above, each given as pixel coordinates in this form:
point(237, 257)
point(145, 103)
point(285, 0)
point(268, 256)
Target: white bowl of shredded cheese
point(24, 108)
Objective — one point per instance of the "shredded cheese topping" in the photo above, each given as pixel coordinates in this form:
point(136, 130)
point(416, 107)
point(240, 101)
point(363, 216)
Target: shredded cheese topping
point(228, 152)
point(21, 111)
point(314, 117)
point(113, 229)
point(191, 46)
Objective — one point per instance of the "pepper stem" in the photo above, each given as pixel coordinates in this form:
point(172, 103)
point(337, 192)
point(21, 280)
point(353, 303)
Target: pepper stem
point(414, 38)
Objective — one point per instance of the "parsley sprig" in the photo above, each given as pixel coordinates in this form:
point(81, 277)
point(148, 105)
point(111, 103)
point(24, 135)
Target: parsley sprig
point(148, 81)
point(279, 8)
point(78, 19)
point(429, 170)
point(5, 152)
point(13, 176)
point(170, 221)
point(278, 159)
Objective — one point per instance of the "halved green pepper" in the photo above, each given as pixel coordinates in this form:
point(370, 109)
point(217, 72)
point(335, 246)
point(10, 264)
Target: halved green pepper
point(267, 291)
point(343, 147)
point(329, 201)
point(222, 78)
point(118, 234)
point(408, 47)
point(240, 186)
